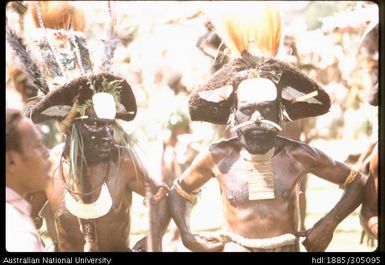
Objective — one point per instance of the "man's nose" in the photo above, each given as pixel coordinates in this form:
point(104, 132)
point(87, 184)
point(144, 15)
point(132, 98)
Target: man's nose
point(46, 152)
point(256, 117)
point(107, 133)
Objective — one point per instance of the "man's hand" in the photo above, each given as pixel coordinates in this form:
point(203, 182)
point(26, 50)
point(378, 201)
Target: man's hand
point(320, 235)
point(373, 226)
point(198, 243)
point(141, 245)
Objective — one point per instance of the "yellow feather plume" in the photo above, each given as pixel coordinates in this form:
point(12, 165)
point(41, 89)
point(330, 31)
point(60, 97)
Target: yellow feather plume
point(59, 15)
point(248, 26)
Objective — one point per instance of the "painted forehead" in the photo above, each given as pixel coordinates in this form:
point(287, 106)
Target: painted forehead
point(256, 90)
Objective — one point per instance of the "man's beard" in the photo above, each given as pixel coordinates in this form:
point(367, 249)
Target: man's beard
point(257, 141)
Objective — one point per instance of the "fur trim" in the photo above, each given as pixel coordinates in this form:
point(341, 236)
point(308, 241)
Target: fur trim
point(79, 91)
point(285, 76)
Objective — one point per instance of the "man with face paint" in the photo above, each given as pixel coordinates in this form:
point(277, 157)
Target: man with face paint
point(96, 169)
point(259, 172)
point(98, 136)
point(257, 115)
point(90, 193)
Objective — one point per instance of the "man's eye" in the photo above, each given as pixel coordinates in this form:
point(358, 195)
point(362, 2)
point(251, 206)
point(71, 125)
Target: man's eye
point(247, 111)
point(92, 123)
point(267, 109)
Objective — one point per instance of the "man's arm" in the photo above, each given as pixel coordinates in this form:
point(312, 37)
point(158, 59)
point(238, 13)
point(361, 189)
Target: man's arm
point(183, 196)
point(353, 182)
point(140, 182)
point(369, 208)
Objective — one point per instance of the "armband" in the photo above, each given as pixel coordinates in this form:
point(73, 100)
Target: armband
point(160, 194)
point(191, 197)
point(352, 176)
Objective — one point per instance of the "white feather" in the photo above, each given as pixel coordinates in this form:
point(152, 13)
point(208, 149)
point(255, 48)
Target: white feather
point(58, 110)
point(292, 94)
point(217, 95)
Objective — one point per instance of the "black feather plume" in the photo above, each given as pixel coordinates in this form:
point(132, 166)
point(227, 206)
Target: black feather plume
point(31, 67)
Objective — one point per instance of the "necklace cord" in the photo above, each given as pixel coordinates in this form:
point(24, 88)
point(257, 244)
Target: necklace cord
point(80, 193)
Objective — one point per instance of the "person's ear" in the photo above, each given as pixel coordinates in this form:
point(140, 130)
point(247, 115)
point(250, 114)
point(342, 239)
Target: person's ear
point(13, 161)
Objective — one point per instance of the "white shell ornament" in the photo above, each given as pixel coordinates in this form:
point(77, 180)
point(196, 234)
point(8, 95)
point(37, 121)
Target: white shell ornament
point(104, 105)
point(58, 110)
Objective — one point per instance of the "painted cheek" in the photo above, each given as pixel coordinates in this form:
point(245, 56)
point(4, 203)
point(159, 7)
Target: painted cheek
point(110, 132)
point(272, 116)
point(107, 133)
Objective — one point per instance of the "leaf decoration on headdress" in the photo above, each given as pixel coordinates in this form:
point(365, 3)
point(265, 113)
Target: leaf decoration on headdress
point(30, 66)
point(81, 109)
point(112, 87)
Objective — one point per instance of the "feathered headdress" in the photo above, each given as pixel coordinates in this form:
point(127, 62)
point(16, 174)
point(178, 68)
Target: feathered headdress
point(58, 15)
point(65, 75)
point(70, 87)
point(252, 31)
point(255, 28)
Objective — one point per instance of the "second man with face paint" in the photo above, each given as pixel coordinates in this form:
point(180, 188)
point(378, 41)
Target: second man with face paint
point(257, 171)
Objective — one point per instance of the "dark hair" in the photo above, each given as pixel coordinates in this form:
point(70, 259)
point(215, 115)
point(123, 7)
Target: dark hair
point(13, 117)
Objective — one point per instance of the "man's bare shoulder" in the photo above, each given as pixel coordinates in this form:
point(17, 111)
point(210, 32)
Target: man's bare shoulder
point(224, 147)
point(125, 154)
point(296, 148)
point(128, 159)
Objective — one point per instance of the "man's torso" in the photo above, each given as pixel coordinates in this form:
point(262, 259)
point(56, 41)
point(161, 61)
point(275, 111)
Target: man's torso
point(260, 218)
point(112, 229)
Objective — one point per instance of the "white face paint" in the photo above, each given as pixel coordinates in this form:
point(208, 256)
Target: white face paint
point(104, 105)
point(256, 90)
